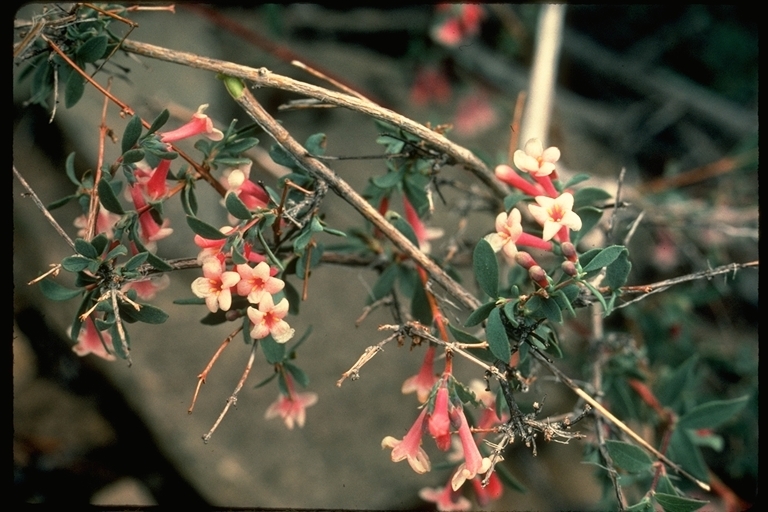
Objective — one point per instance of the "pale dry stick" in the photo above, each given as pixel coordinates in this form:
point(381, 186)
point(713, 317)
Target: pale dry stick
point(43, 209)
point(204, 373)
point(262, 77)
point(613, 419)
point(318, 170)
point(94, 205)
point(650, 289)
point(330, 80)
point(354, 372)
point(120, 330)
point(233, 398)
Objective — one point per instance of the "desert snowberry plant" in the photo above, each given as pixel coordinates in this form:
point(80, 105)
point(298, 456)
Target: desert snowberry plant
point(530, 270)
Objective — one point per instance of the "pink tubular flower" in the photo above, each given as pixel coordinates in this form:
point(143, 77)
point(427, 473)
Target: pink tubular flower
point(89, 342)
point(155, 185)
point(257, 281)
point(210, 247)
point(474, 463)
point(268, 319)
point(446, 499)
point(410, 447)
point(215, 286)
point(422, 382)
point(555, 214)
point(535, 159)
point(439, 424)
point(492, 491)
point(423, 233)
point(151, 231)
point(200, 124)
point(509, 176)
point(237, 182)
point(292, 408)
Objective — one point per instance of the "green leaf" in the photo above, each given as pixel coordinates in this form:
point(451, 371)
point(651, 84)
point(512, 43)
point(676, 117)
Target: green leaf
point(601, 259)
point(420, 309)
point(273, 351)
point(297, 374)
point(480, 314)
point(512, 199)
point(539, 307)
point(384, 283)
point(316, 144)
point(119, 250)
point(670, 390)
point(462, 336)
point(148, 314)
point(108, 198)
point(665, 486)
point(498, 341)
point(402, 226)
point(158, 123)
point(93, 49)
point(293, 297)
point(235, 86)
point(74, 89)
point(69, 166)
point(486, 268)
point(590, 217)
point(190, 301)
point(576, 180)
point(204, 230)
point(672, 503)
point(136, 261)
point(54, 291)
point(389, 180)
point(189, 199)
point(133, 155)
point(712, 414)
point(75, 263)
point(131, 134)
point(617, 272)
point(628, 456)
point(643, 505)
point(684, 451)
point(86, 249)
point(236, 207)
point(589, 196)
point(282, 157)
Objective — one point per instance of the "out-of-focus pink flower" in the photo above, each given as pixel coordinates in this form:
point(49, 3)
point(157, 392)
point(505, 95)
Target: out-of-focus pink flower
point(535, 159)
point(446, 499)
point(146, 289)
point(200, 124)
point(293, 407)
point(474, 463)
point(422, 382)
point(488, 418)
point(423, 233)
point(410, 447)
point(268, 319)
point(509, 176)
point(554, 214)
point(474, 115)
point(105, 223)
point(430, 85)
point(462, 23)
point(89, 342)
point(257, 281)
point(490, 492)
point(216, 286)
point(151, 231)
point(439, 423)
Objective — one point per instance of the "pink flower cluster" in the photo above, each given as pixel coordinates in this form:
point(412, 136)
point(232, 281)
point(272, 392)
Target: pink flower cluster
point(458, 23)
point(441, 416)
point(553, 210)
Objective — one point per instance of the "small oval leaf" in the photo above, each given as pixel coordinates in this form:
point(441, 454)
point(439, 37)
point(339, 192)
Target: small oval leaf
point(628, 456)
point(204, 230)
point(497, 336)
point(486, 268)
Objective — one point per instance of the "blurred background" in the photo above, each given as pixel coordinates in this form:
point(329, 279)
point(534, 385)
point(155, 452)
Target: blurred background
point(667, 92)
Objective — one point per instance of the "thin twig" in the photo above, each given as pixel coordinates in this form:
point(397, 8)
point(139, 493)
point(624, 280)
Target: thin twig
point(43, 209)
point(262, 77)
point(204, 373)
point(354, 372)
point(232, 400)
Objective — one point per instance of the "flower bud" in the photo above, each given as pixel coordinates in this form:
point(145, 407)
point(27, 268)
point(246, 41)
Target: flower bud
point(569, 268)
point(569, 251)
point(525, 260)
point(539, 276)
